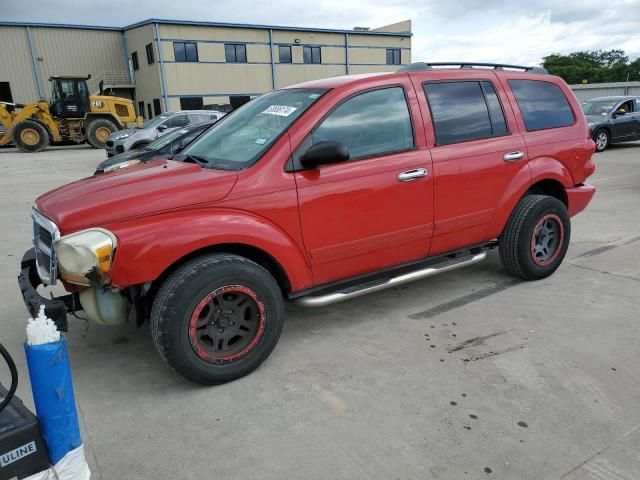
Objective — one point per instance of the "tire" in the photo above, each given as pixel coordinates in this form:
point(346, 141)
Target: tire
point(195, 303)
point(30, 136)
point(536, 237)
point(97, 135)
point(602, 139)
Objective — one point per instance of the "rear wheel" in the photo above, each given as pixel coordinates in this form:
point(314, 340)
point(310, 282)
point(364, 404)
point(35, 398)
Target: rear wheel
point(602, 139)
point(536, 237)
point(98, 132)
point(30, 136)
point(217, 318)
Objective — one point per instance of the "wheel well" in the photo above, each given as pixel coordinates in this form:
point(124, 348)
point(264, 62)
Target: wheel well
point(251, 253)
point(549, 187)
point(90, 117)
point(604, 127)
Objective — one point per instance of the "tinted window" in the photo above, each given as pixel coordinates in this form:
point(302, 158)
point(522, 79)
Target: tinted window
point(191, 103)
point(459, 111)
point(177, 121)
point(542, 104)
point(372, 123)
point(235, 52)
point(393, 56)
point(134, 60)
point(498, 123)
point(141, 109)
point(149, 49)
point(156, 106)
point(311, 55)
point(284, 53)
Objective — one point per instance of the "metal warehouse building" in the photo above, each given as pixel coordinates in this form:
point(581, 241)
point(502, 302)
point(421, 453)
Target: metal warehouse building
point(167, 65)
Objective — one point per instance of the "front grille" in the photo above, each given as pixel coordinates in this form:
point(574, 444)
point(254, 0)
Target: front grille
point(45, 234)
point(109, 143)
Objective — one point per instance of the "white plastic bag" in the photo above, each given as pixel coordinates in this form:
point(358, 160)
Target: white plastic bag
point(72, 467)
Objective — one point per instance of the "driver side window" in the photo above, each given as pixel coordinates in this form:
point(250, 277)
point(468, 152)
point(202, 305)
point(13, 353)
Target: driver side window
point(627, 107)
point(369, 124)
point(176, 121)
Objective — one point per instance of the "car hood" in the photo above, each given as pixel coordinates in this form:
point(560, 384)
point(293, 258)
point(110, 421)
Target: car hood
point(138, 154)
point(144, 189)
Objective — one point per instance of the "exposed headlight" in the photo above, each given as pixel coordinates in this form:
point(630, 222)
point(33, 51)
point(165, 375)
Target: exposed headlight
point(118, 166)
point(85, 257)
point(120, 136)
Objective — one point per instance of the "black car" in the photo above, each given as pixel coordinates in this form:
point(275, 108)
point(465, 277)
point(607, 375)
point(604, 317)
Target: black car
point(162, 147)
point(613, 120)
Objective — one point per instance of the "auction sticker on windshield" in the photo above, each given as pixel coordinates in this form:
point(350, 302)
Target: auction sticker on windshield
point(280, 110)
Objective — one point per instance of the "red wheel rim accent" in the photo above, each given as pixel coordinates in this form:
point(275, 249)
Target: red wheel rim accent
point(227, 323)
point(547, 240)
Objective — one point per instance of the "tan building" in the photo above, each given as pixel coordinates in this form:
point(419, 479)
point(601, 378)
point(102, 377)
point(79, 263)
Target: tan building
point(168, 65)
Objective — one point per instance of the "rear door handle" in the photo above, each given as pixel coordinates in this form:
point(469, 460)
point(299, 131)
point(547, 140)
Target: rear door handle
point(412, 174)
point(513, 156)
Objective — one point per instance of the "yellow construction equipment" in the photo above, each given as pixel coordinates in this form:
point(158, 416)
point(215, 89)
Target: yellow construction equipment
point(72, 115)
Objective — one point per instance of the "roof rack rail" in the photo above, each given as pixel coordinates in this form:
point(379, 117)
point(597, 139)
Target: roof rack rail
point(417, 66)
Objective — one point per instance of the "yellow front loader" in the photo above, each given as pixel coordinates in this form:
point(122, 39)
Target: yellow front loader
point(71, 116)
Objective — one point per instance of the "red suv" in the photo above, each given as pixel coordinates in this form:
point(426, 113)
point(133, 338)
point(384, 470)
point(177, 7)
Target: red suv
point(317, 193)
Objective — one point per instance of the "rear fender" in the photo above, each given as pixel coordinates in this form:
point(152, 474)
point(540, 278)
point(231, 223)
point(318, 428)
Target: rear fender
point(148, 246)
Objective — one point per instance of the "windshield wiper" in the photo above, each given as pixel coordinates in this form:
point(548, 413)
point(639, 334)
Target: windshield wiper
point(195, 159)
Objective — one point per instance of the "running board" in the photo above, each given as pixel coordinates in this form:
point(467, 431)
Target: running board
point(359, 290)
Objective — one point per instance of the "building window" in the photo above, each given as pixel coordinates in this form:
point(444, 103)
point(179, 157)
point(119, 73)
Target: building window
point(284, 53)
point(393, 56)
point(149, 49)
point(235, 52)
point(149, 111)
point(134, 60)
point(311, 55)
point(185, 51)
point(237, 101)
point(141, 109)
point(191, 103)
point(156, 106)
point(5, 92)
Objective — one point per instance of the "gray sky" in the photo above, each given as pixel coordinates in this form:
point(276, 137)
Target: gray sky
point(512, 31)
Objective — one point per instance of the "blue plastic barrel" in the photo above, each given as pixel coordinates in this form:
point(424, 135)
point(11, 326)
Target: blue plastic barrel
point(52, 389)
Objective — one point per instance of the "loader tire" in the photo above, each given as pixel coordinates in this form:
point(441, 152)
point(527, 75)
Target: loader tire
point(98, 132)
point(30, 136)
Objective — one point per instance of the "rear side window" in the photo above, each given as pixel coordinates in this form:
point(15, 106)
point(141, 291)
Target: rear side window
point(369, 124)
point(543, 104)
point(177, 121)
point(465, 111)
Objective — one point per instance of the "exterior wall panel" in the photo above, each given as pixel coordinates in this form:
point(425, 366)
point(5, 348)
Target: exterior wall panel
point(16, 66)
point(147, 77)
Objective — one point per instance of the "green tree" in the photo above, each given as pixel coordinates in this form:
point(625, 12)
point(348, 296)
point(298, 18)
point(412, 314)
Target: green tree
point(593, 66)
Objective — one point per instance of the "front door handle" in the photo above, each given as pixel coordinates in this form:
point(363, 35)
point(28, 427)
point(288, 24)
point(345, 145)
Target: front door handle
point(513, 156)
point(412, 174)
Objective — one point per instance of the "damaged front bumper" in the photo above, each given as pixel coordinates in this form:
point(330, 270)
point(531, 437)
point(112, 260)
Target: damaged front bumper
point(55, 308)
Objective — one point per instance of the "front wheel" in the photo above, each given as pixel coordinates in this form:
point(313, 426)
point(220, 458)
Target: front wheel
point(217, 318)
point(98, 132)
point(536, 237)
point(30, 136)
point(602, 139)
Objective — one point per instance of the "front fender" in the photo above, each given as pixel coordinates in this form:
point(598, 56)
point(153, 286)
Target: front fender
point(148, 246)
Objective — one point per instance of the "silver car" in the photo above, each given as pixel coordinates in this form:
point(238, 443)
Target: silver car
point(131, 138)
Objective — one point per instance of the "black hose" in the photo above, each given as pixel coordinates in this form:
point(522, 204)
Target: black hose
point(14, 377)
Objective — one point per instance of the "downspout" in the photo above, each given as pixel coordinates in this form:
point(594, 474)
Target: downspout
point(36, 66)
point(162, 76)
point(126, 57)
point(273, 66)
point(346, 52)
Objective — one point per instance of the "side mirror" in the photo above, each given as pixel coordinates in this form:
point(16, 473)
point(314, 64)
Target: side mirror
point(161, 128)
point(324, 153)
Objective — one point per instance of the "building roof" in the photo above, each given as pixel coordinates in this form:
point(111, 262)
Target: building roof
point(151, 21)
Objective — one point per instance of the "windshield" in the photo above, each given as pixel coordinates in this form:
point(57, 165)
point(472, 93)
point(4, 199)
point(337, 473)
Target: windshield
point(598, 107)
point(154, 122)
point(240, 139)
point(165, 140)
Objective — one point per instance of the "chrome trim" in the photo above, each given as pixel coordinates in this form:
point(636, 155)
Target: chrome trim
point(513, 156)
point(413, 174)
point(447, 266)
point(47, 273)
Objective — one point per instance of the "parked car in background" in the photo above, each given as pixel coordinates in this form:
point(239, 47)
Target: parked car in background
point(613, 120)
point(162, 147)
point(317, 193)
point(131, 138)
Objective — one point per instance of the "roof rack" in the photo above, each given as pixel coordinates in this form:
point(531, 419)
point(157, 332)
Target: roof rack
point(417, 66)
